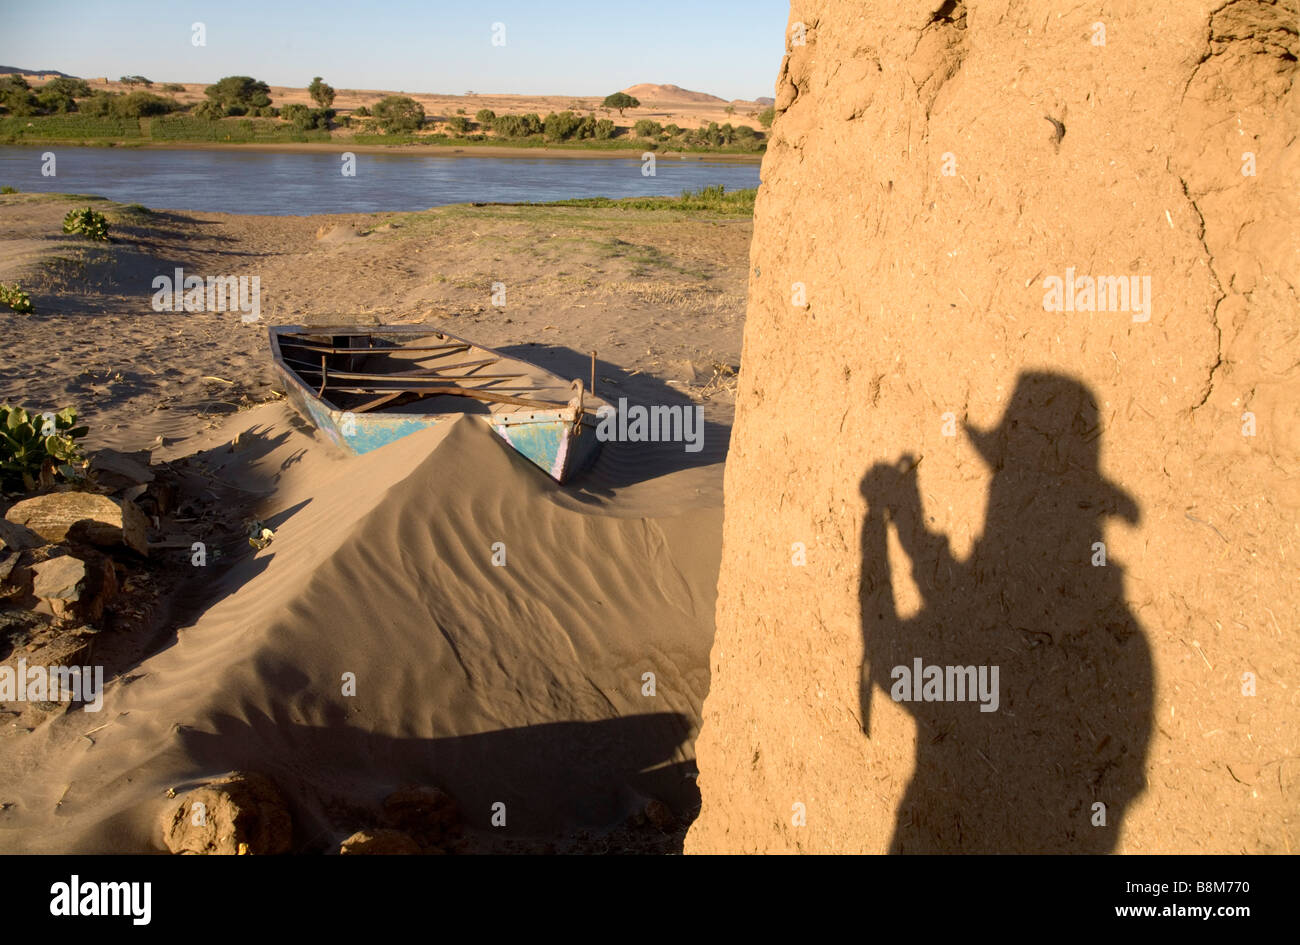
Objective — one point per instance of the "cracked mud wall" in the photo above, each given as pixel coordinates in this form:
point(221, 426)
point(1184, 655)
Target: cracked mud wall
point(933, 167)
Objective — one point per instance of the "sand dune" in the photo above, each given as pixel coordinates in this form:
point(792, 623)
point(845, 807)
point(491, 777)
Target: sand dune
point(520, 684)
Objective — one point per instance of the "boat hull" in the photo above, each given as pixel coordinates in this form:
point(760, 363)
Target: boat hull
point(550, 439)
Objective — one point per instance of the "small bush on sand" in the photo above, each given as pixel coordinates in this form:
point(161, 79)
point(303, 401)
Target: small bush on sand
point(306, 119)
point(87, 222)
point(516, 126)
point(36, 449)
point(15, 298)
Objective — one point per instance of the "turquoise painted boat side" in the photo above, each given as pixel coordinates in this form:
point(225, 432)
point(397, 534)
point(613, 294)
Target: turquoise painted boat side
point(541, 443)
point(552, 445)
point(358, 433)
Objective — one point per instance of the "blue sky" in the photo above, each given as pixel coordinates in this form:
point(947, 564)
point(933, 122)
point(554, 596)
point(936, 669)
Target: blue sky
point(730, 48)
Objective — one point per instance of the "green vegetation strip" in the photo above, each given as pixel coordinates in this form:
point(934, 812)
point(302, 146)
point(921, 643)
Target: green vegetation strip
point(241, 130)
point(68, 127)
point(706, 200)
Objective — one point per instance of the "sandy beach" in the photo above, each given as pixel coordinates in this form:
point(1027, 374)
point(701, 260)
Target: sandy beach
point(521, 684)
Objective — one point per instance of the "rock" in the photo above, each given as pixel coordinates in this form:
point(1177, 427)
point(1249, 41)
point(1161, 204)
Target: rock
point(70, 586)
point(19, 629)
point(428, 814)
point(18, 537)
point(379, 842)
point(59, 578)
point(924, 454)
point(242, 813)
point(68, 647)
point(83, 516)
point(121, 471)
point(15, 576)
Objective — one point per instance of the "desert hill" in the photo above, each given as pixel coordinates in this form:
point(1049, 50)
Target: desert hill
point(648, 92)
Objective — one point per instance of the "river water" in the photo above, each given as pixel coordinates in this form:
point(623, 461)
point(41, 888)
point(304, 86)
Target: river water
point(308, 182)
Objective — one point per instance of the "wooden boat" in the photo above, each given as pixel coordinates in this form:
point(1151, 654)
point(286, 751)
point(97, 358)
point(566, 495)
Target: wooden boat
point(365, 387)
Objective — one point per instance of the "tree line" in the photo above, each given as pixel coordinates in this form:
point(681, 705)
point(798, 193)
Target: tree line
point(244, 96)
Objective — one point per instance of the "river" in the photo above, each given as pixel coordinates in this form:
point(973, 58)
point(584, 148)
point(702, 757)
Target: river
point(309, 182)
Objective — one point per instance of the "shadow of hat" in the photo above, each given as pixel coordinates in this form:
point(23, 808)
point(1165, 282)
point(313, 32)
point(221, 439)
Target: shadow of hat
point(1063, 411)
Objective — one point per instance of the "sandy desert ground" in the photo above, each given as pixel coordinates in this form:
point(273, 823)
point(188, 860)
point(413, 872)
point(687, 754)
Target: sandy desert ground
point(521, 684)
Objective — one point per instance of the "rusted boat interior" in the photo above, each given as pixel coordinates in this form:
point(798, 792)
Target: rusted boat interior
point(417, 373)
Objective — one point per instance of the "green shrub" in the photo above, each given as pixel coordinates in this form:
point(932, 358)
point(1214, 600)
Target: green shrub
point(485, 116)
point(458, 124)
point(143, 105)
point(605, 129)
point(307, 119)
point(15, 298)
point(87, 222)
point(16, 96)
point(67, 85)
point(59, 94)
point(767, 116)
point(398, 113)
point(136, 80)
point(54, 102)
point(38, 449)
point(321, 94)
point(561, 126)
point(645, 128)
point(236, 94)
point(209, 111)
point(172, 87)
point(131, 105)
point(362, 112)
point(516, 126)
point(98, 105)
point(508, 126)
